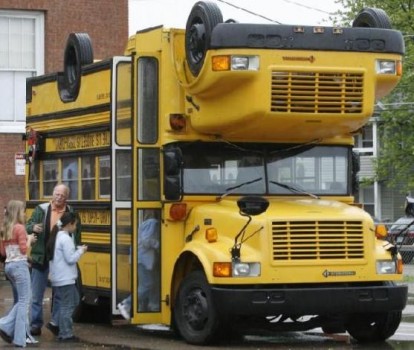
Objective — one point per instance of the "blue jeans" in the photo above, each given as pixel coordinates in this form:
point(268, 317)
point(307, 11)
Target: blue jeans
point(69, 299)
point(148, 289)
point(39, 284)
point(16, 322)
point(14, 290)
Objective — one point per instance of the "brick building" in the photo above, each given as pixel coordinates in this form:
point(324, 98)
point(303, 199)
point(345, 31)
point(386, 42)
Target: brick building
point(33, 36)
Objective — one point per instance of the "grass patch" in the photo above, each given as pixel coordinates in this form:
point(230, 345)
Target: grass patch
point(408, 278)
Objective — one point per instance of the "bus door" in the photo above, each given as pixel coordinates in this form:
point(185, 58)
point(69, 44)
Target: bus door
point(121, 239)
point(146, 303)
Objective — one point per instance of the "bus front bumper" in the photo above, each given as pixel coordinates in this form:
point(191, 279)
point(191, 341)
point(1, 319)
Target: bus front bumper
point(233, 300)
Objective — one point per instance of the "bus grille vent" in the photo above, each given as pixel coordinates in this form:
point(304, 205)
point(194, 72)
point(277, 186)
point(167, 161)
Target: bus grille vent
point(304, 92)
point(317, 240)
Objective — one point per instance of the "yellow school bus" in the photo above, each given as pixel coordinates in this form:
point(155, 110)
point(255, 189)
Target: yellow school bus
point(238, 139)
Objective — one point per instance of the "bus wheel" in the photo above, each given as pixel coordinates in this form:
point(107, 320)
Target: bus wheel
point(78, 53)
point(195, 316)
point(373, 327)
point(372, 18)
point(204, 16)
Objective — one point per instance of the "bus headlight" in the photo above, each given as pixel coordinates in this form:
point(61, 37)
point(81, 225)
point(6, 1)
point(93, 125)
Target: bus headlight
point(235, 63)
point(387, 67)
point(244, 62)
point(386, 267)
point(241, 269)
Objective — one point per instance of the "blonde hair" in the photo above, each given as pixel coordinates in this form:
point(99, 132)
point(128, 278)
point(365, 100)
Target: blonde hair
point(14, 215)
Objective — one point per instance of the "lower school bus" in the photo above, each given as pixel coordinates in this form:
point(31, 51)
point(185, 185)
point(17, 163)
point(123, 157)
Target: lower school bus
point(260, 237)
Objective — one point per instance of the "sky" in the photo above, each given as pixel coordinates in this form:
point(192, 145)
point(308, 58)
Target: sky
point(174, 13)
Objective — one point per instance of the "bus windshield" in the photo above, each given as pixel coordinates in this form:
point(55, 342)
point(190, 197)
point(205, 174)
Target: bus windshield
point(265, 169)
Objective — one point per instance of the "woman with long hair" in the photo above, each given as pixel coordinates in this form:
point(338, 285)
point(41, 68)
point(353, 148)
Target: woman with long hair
point(15, 242)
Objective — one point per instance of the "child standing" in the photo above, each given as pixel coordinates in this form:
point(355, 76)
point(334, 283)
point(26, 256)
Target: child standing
point(63, 257)
point(14, 327)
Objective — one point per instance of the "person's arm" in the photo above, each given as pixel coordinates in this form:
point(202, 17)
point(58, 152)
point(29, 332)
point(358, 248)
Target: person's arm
point(70, 253)
point(35, 218)
point(20, 234)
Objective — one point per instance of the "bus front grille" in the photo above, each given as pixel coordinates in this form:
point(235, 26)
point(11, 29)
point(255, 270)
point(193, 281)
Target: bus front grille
point(317, 92)
point(317, 240)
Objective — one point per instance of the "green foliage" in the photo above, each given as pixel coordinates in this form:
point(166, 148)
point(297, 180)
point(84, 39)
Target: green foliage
point(395, 163)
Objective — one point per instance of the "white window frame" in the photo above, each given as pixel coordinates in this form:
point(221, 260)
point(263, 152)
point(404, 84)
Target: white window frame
point(38, 16)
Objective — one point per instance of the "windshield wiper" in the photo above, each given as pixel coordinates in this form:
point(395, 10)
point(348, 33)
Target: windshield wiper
point(294, 189)
point(230, 189)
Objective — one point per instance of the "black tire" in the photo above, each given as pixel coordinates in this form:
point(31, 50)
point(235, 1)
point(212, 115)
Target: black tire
point(195, 316)
point(372, 18)
point(204, 16)
point(78, 53)
point(371, 328)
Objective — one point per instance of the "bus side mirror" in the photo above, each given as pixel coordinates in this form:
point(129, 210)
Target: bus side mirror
point(252, 205)
point(356, 164)
point(172, 174)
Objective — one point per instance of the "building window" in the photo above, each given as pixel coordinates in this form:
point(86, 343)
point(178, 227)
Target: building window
point(367, 197)
point(21, 56)
point(364, 141)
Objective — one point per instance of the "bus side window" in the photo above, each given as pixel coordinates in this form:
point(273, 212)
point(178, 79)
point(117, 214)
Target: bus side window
point(123, 175)
point(149, 174)
point(50, 176)
point(147, 100)
point(34, 180)
point(88, 178)
point(104, 177)
point(70, 176)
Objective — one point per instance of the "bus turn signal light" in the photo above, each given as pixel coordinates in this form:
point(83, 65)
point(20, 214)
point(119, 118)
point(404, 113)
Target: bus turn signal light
point(222, 269)
point(381, 231)
point(211, 235)
point(221, 63)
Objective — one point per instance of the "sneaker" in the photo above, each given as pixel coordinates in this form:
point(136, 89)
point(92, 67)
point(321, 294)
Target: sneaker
point(31, 340)
point(35, 330)
point(123, 310)
point(72, 339)
point(53, 328)
point(7, 338)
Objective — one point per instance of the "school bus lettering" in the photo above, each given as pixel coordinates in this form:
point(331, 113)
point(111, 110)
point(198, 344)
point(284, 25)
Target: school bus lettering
point(77, 142)
point(103, 96)
point(95, 217)
point(245, 207)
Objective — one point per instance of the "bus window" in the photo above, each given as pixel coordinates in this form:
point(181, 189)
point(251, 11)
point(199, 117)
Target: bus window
point(34, 182)
point(123, 104)
point(147, 100)
point(104, 177)
point(149, 174)
point(50, 176)
point(70, 176)
point(123, 175)
point(88, 177)
point(149, 260)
